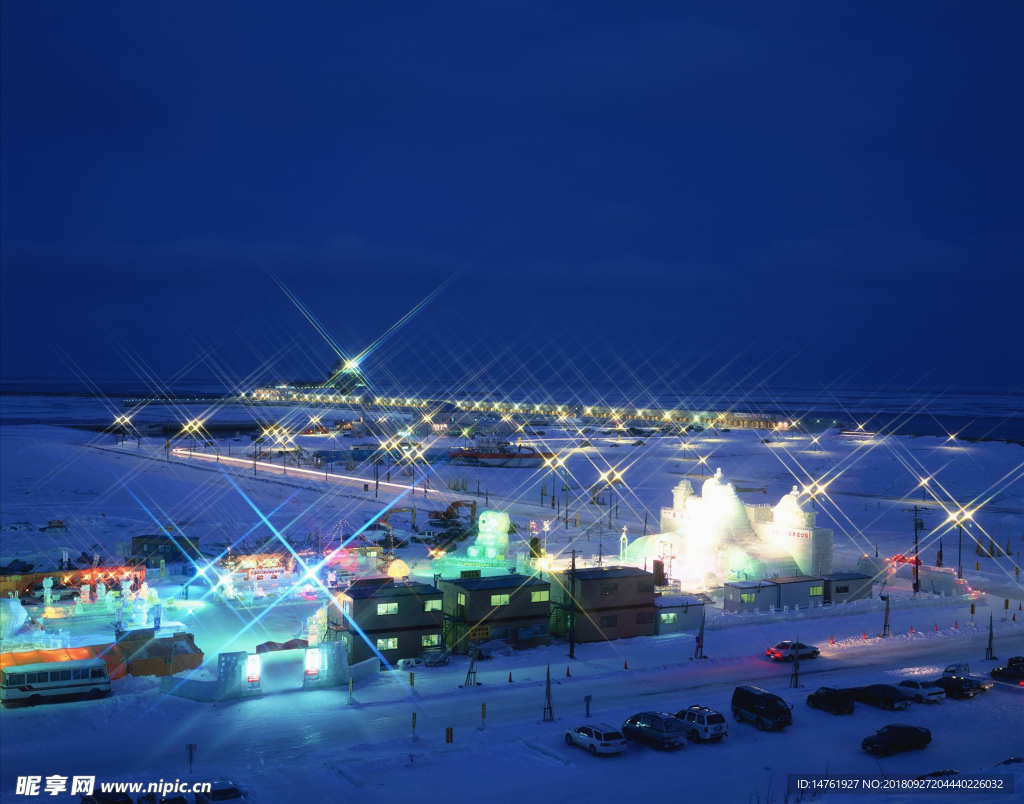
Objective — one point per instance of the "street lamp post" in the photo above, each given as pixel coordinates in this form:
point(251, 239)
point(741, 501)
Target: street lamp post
point(959, 518)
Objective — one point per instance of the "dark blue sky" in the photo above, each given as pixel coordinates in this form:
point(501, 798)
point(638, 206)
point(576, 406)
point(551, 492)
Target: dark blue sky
point(807, 193)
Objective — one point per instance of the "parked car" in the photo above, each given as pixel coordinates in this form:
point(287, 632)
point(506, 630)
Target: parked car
point(897, 737)
point(762, 708)
point(703, 723)
point(1014, 661)
point(1012, 673)
point(884, 696)
point(656, 729)
point(597, 739)
point(222, 790)
point(435, 658)
point(409, 665)
point(787, 651)
point(922, 691)
point(57, 591)
point(836, 701)
point(960, 687)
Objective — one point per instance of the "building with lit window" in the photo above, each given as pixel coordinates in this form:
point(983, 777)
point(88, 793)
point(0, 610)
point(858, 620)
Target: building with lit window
point(793, 592)
point(610, 603)
point(399, 620)
point(515, 609)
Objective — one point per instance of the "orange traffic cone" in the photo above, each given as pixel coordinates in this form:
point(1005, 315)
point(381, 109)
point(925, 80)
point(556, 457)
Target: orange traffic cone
point(567, 673)
point(911, 629)
point(1015, 616)
point(509, 676)
point(625, 664)
point(936, 628)
point(831, 640)
point(955, 624)
point(864, 635)
point(1020, 607)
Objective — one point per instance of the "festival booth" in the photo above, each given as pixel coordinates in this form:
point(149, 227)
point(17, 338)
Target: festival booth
point(117, 665)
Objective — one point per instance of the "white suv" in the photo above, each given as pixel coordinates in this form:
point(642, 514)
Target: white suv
point(703, 723)
point(597, 739)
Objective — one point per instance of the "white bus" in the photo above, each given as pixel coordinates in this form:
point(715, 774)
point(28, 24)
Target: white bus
point(50, 681)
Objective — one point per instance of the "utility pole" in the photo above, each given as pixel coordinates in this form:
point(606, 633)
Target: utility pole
point(919, 525)
point(572, 607)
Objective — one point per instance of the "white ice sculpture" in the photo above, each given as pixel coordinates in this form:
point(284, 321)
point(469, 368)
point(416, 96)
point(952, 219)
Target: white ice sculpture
point(12, 617)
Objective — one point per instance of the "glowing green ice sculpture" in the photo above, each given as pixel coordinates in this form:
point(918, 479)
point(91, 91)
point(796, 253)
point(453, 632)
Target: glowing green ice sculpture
point(488, 550)
point(492, 541)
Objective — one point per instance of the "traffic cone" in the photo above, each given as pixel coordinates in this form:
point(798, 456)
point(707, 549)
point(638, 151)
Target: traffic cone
point(864, 635)
point(1019, 605)
point(955, 625)
point(831, 640)
point(936, 628)
point(567, 673)
point(509, 676)
point(1015, 616)
point(911, 629)
point(625, 664)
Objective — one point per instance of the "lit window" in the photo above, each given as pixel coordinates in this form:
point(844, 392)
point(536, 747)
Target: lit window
point(430, 640)
point(817, 590)
point(432, 605)
point(540, 597)
point(387, 608)
point(462, 599)
point(499, 600)
point(391, 643)
point(748, 597)
point(669, 617)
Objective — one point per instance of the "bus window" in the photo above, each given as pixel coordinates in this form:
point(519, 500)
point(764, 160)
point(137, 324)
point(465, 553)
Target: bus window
point(62, 675)
point(98, 672)
point(16, 680)
point(78, 675)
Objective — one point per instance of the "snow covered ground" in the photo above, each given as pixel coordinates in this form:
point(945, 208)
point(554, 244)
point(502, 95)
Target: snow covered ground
point(294, 745)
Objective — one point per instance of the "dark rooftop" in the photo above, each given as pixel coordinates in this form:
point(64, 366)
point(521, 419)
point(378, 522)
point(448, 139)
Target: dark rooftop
point(362, 591)
point(496, 582)
point(796, 579)
point(592, 573)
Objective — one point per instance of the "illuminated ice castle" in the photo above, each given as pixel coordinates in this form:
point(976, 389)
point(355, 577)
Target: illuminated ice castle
point(716, 537)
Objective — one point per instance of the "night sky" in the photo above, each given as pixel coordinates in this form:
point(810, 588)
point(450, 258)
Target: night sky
point(796, 193)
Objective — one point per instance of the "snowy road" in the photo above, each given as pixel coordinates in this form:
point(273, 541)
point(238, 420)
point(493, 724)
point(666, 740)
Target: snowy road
point(260, 740)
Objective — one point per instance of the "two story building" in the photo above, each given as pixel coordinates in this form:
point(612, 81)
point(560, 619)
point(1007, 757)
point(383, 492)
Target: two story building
point(513, 608)
point(179, 553)
point(610, 603)
point(386, 618)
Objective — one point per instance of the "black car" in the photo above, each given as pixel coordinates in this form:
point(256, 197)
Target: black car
point(959, 687)
point(1014, 661)
point(656, 729)
point(897, 737)
point(884, 696)
point(1014, 673)
point(764, 709)
point(836, 701)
